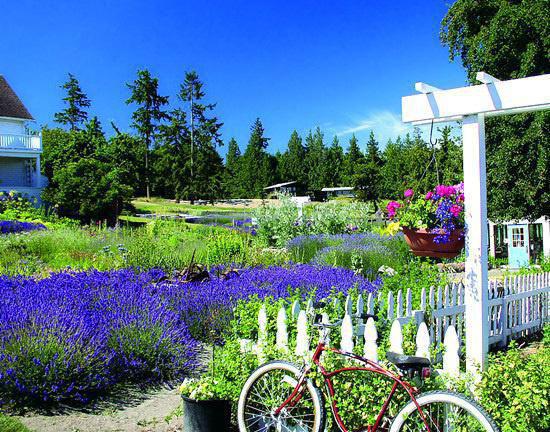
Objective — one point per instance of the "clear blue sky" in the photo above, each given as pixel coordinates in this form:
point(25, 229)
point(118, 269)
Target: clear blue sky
point(341, 65)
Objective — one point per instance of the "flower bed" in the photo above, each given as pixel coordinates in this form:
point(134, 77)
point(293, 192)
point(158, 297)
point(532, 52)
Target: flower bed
point(366, 251)
point(76, 334)
point(12, 226)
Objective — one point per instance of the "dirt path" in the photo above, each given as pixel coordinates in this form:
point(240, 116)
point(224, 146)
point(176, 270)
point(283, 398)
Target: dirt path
point(145, 414)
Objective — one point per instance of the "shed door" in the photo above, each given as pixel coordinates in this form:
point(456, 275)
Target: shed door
point(518, 246)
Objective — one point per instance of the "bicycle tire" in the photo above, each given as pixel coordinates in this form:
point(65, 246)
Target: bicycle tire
point(447, 397)
point(293, 372)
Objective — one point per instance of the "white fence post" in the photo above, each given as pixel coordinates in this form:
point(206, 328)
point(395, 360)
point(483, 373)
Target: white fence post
point(396, 338)
point(347, 334)
point(282, 333)
point(451, 360)
point(370, 349)
point(302, 338)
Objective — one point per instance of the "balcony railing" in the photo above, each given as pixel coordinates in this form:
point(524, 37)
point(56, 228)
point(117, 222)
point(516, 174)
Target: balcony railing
point(20, 142)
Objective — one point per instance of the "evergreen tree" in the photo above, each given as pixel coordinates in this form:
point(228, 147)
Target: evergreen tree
point(75, 114)
point(257, 168)
point(171, 158)
point(292, 165)
point(366, 180)
point(335, 161)
point(393, 169)
point(354, 157)
point(373, 150)
point(316, 161)
point(147, 118)
point(205, 164)
point(233, 166)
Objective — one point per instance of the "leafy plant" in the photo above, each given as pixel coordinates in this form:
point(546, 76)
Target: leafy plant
point(515, 390)
point(440, 211)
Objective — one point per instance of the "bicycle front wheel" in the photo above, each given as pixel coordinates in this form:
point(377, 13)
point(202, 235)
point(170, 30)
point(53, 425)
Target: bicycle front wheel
point(267, 389)
point(443, 411)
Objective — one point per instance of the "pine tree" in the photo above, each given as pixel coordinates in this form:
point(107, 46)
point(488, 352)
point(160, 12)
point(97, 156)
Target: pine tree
point(366, 180)
point(335, 160)
point(147, 118)
point(205, 164)
point(354, 157)
point(75, 114)
point(171, 158)
point(257, 168)
point(316, 161)
point(292, 165)
point(233, 163)
point(373, 150)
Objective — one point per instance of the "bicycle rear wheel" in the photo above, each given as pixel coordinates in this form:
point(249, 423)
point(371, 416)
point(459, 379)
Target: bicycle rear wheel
point(267, 389)
point(443, 411)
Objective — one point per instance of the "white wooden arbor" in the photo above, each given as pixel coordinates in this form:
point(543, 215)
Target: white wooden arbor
point(471, 105)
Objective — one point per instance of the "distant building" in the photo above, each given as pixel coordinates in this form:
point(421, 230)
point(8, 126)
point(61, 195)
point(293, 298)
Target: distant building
point(336, 192)
point(520, 241)
point(20, 150)
point(288, 188)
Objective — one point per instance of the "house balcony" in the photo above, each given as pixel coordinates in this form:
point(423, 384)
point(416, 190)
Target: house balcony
point(20, 144)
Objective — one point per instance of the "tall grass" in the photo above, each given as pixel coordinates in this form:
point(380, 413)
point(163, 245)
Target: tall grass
point(166, 244)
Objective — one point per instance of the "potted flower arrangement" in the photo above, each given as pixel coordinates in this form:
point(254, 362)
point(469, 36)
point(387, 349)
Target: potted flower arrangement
point(205, 405)
point(204, 408)
point(433, 224)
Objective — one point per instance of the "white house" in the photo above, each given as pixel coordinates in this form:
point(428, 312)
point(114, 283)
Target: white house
point(20, 149)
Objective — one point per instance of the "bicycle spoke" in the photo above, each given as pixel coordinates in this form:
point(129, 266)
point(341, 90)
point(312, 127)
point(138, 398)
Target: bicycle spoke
point(267, 394)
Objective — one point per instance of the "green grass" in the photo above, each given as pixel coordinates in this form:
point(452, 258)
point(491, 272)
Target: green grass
point(163, 206)
point(165, 244)
point(10, 424)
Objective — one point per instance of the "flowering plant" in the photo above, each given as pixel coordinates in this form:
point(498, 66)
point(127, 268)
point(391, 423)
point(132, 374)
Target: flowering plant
point(440, 211)
point(204, 388)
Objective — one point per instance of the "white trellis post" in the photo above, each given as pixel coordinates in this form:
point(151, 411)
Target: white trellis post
point(471, 105)
point(475, 207)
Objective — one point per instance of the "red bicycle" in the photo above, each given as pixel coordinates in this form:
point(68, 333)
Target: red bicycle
point(279, 396)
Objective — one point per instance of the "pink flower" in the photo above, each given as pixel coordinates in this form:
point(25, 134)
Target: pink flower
point(459, 188)
point(409, 193)
point(460, 198)
point(455, 210)
point(392, 208)
point(444, 191)
point(429, 195)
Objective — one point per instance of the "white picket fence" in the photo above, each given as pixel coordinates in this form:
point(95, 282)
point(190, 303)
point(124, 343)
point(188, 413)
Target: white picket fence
point(351, 335)
point(518, 306)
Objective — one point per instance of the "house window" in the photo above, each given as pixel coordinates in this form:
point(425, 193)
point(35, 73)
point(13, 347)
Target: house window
point(518, 237)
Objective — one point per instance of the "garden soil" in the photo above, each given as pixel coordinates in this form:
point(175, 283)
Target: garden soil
point(146, 414)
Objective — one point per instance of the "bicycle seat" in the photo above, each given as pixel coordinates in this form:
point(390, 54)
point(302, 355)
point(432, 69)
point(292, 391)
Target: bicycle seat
point(408, 363)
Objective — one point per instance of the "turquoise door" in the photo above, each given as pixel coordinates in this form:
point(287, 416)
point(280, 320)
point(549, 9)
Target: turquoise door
point(518, 245)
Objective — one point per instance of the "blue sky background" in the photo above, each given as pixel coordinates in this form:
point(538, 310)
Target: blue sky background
point(297, 64)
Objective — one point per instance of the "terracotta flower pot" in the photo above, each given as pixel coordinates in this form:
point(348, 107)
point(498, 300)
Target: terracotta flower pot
point(422, 243)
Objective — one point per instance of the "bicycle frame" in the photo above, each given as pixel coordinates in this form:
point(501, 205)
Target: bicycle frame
point(370, 366)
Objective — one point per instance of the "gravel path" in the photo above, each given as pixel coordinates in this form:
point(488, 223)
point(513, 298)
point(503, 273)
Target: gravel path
point(146, 413)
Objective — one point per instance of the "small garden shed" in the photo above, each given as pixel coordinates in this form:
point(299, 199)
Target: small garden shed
point(520, 241)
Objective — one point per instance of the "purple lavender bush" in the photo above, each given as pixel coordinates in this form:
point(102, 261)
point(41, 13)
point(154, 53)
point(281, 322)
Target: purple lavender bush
point(73, 335)
point(208, 306)
point(365, 252)
point(76, 334)
point(13, 226)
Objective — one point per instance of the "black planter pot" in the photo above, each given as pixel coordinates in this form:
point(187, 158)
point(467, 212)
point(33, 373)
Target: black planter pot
point(206, 415)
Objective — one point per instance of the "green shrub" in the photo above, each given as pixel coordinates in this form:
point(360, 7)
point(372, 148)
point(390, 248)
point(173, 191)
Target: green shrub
point(515, 390)
point(277, 224)
point(10, 424)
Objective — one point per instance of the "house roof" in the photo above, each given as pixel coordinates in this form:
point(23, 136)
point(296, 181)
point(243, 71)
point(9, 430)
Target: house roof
point(10, 104)
point(278, 185)
point(334, 189)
